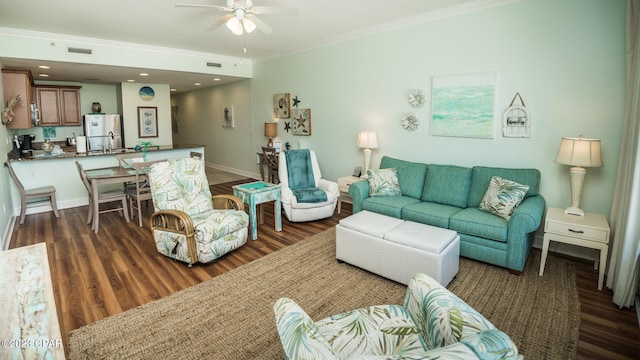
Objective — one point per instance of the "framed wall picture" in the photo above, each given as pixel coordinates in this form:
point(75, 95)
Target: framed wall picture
point(282, 105)
point(463, 105)
point(147, 121)
point(301, 121)
point(227, 117)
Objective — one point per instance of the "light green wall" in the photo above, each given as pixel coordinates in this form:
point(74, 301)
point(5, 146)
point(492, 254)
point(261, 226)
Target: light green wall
point(566, 58)
point(201, 114)
point(131, 101)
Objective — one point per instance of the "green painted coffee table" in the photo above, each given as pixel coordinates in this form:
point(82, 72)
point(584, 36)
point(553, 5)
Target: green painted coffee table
point(256, 193)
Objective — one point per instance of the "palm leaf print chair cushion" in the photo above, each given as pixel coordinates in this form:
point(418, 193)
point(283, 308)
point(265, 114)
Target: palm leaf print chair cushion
point(185, 225)
point(432, 324)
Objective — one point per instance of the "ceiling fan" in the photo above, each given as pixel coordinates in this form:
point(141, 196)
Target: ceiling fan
point(242, 17)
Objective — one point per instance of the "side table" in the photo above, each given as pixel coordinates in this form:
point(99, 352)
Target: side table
point(256, 193)
point(591, 231)
point(343, 186)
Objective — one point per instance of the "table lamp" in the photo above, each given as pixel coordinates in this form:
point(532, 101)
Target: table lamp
point(578, 153)
point(270, 131)
point(367, 140)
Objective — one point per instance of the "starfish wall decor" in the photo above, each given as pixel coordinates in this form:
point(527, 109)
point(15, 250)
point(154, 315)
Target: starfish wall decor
point(296, 101)
point(287, 126)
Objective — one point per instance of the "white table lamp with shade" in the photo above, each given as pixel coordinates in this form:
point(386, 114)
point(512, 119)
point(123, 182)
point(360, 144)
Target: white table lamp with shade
point(368, 140)
point(579, 153)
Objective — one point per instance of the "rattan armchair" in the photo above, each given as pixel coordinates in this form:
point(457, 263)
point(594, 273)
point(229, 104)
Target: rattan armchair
point(189, 224)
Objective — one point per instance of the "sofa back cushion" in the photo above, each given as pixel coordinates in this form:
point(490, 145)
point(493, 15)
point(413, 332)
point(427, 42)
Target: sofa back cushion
point(481, 176)
point(410, 175)
point(447, 184)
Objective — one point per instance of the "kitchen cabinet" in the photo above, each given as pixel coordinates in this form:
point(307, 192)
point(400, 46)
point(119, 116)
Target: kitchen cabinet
point(58, 105)
point(19, 82)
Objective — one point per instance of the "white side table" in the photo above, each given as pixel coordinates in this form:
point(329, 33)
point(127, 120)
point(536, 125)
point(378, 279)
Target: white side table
point(343, 186)
point(591, 231)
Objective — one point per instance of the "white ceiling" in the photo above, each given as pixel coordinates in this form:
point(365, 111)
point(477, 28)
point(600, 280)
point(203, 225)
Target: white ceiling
point(160, 23)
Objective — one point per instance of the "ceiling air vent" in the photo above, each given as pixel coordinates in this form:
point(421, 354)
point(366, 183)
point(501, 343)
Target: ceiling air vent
point(79, 50)
point(212, 64)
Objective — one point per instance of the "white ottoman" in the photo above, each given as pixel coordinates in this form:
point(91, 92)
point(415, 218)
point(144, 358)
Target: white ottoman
point(397, 249)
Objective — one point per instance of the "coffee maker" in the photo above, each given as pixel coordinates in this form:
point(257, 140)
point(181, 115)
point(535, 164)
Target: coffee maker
point(25, 143)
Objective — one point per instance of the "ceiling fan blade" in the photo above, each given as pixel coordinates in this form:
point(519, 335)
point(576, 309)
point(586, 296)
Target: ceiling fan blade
point(220, 21)
point(260, 24)
point(221, 8)
point(274, 10)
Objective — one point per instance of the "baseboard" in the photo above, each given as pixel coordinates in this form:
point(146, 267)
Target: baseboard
point(248, 174)
point(6, 237)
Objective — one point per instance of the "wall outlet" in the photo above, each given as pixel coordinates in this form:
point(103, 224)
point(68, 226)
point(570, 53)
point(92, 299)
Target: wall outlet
point(257, 159)
point(4, 208)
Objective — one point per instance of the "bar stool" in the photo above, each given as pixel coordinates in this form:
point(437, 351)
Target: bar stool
point(37, 193)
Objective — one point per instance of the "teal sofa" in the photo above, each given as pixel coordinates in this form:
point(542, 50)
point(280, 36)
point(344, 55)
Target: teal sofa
point(449, 196)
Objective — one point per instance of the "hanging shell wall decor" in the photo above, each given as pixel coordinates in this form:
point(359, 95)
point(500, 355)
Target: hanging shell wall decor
point(416, 98)
point(410, 122)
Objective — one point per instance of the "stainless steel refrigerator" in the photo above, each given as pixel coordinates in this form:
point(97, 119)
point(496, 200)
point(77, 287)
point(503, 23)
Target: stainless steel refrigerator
point(103, 132)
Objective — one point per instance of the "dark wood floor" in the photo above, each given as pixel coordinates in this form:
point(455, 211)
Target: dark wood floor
point(98, 275)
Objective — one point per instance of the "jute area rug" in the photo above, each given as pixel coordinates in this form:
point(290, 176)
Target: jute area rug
point(231, 315)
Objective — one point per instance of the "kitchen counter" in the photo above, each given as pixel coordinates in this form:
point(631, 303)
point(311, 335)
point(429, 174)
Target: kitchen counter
point(69, 153)
point(61, 171)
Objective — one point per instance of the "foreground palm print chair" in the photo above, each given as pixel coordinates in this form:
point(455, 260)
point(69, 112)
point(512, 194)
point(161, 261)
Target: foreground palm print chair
point(432, 324)
point(189, 224)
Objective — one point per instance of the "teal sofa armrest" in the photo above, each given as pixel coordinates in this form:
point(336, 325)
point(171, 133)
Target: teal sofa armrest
point(359, 191)
point(299, 336)
point(525, 220)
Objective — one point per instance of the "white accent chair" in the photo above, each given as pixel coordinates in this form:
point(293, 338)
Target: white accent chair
point(298, 211)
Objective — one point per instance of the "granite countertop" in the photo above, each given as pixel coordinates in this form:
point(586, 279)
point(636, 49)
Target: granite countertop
point(69, 152)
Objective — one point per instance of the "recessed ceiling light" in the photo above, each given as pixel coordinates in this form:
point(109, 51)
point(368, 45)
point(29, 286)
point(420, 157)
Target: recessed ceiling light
point(144, 74)
point(172, 89)
point(44, 67)
point(43, 75)
point(216, 79)
point(197, 84)
point(131, 80)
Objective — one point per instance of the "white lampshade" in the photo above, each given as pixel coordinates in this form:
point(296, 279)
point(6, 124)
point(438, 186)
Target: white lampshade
point(579, 152)
point(367, 139)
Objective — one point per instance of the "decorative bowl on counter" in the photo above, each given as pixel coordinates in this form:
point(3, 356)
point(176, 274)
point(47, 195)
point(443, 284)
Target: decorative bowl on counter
point(47, 147)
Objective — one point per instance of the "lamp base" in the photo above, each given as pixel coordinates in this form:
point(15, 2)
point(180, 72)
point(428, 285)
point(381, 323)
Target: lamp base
point(577, 174)
point(574, 211)
point(270, 143)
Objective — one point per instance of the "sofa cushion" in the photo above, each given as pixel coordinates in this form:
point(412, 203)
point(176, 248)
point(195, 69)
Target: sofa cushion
point(481, 176)
point(383, 182)
point(410, 175)
point(430, 213)
point(447, 184)
point(502, 197)
point(388, 205)
point(473, 221)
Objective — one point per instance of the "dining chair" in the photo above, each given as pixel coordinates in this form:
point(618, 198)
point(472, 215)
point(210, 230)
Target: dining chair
point(141, 191)
point(36, 193)
point(111, 196)
point(271, 162)
point(126, 161)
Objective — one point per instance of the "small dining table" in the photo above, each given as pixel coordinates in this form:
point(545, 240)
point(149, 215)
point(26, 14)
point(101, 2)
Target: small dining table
point(108, 175)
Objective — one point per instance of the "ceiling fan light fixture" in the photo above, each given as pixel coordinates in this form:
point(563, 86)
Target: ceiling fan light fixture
point(235, 26)
point(249, 25)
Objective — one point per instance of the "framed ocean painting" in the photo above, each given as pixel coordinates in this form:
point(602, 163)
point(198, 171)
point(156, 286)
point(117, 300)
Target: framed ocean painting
point(463, 105)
